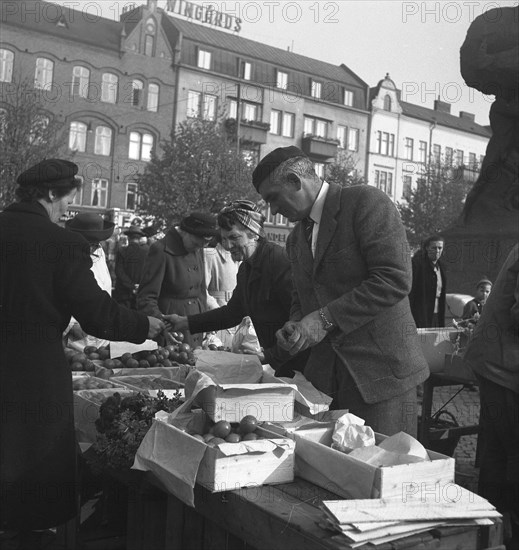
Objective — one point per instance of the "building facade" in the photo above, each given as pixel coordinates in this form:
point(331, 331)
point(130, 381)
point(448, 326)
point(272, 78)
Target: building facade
point(405, 138)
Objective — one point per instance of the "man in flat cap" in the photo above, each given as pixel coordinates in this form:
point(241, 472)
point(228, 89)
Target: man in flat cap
point(173, 280)
point(351, 270)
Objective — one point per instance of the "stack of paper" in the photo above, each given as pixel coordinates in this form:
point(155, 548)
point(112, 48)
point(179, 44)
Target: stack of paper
point(377, 521)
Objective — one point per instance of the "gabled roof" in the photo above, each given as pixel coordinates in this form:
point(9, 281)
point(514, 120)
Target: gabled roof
point(80, 27)
point(444, 119)
point(256, 50)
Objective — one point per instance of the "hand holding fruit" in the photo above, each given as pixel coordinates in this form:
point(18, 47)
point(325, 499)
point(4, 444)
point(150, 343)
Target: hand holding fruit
point(156, 327)
point(176, 322)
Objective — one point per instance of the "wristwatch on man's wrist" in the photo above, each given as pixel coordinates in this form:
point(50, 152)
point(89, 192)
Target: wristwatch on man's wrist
point(327, 324)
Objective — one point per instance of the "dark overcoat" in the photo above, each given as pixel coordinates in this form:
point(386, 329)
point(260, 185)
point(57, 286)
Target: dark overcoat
point(129, 265)
point(45, 278)
point(361, 272)
point(423, 291)
point(263, 292)
point(173, 281)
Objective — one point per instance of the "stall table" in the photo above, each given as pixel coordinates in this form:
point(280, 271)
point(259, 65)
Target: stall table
point(284, 517)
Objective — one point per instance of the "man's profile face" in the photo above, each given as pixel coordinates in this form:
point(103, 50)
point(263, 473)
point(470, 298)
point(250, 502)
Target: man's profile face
point(285, 199)
point(434, 250)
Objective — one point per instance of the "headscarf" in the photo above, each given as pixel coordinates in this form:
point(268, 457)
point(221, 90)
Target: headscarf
point(248, 214)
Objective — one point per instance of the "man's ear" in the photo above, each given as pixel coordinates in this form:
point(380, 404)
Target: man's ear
point(294, 180)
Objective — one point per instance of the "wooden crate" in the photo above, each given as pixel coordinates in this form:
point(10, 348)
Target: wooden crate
point(267, 402)
point(351, 478)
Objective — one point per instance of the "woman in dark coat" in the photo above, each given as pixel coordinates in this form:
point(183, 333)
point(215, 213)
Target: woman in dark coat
point(45, 278)
point(173, 280)
point(428, 293)
point(263, 287)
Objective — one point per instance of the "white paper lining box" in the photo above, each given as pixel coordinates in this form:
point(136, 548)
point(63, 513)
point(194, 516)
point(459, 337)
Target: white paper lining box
point(351, 478)
point(147, 383)
point(178, 459)
point(231, 402)
point(80, 383)
point(86, 410)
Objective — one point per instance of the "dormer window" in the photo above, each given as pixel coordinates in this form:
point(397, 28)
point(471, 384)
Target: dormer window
point(204, 59)
point(316, 89)
point(387, 103)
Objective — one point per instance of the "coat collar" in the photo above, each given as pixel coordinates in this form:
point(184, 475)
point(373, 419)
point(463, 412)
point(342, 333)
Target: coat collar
point(173, 243)
point(328, 224)
point(28, 208)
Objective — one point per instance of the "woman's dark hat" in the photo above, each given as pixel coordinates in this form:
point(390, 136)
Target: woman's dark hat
point(50, 173)
point(134, 231)
point(269, 163)
point(91, 226)
point(200, 224)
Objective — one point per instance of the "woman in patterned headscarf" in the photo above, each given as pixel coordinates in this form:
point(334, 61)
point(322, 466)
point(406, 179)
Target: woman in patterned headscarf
point(263, 287)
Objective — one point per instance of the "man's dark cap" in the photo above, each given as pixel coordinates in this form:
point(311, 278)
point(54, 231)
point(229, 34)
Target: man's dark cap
point(200, 224)
point(49, 174)
point(270, 162)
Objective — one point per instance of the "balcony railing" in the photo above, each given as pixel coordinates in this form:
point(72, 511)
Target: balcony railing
point(251, 131)
point(317, 146)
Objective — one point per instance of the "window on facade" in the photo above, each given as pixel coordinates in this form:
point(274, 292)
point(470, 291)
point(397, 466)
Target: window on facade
point(319, 169)
point(459, 157)
point(250, 111)
point(449, 155)
point(80, 81)
point(408, 148)
point(109, 87)
point(387, 103)
point(204, 59)
point(78, 197)
point(209, 107)
point(348, 98)
point(246, 70)
point(384, 181)
point(6, 65)
point(281, 80)
point(193, 104)
point(153, 97)
point(437, 153)
point(473, 163)
point(353, 139)
point(481, 159)
point(131, 196)
point(103, 141)
point(316, 89)
point(149, 45)
point(275, 122)
point(3, 122)
point(137, 90)
point(287, 130)
point(141, 145)
point(316, 127)
point(385, 143)
point(407, 181)
point(423, 151)
point(99, 192)
point(43, 74)
point(77, 136)
point(342, 136)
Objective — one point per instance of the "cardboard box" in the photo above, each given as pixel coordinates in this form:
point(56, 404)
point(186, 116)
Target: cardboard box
point(231, 402)
point(86, 410)
point(456, 367)
point(146, 382)
point(178, 459)
point(352, 478)
point(80, 383)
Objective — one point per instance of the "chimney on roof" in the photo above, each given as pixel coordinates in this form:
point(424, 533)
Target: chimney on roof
point(442, 106)
point(468, 116)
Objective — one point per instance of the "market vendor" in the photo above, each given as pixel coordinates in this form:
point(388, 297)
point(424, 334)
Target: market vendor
point(45, 278)
point(351, 270)
point(263, 287)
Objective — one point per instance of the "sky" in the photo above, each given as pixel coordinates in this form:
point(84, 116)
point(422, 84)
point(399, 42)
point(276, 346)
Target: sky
point(416, 42)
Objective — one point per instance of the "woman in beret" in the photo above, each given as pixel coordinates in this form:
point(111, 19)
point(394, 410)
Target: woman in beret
point(45, 278)
point(173, 280)
point(263, 287)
